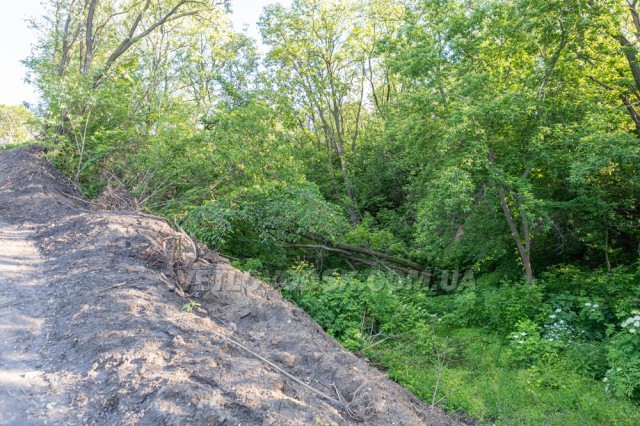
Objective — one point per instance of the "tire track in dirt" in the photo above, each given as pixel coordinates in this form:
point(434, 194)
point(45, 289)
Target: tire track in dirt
point(25, 396)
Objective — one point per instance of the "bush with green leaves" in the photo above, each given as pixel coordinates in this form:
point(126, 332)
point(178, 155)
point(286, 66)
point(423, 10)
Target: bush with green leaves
point(503, 306)
point(623, 379)
point(356, 310)
point(588, 359)
point(254, 222)
point(530, 346)
point(369, 234)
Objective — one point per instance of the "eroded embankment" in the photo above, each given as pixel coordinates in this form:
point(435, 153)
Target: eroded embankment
point(94, 332)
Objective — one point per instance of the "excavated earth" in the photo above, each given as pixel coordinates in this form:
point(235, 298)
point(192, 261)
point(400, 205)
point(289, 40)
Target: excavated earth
point(109, 317)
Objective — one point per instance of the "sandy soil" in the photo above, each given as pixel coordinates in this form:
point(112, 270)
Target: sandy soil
point(94, 327)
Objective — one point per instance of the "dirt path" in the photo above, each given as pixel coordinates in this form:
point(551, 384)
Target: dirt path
point(25, 395)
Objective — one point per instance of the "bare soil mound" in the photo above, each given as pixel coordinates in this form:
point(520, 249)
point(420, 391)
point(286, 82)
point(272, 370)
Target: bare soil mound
point(94, 327)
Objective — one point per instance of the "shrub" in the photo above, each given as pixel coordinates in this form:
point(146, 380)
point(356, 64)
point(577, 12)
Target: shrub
point(588, 359)
point(528, 345)
point(623, 379)
point(512, 302)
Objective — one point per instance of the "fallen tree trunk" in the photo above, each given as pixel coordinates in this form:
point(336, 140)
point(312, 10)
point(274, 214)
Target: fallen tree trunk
point(349, 252)
point(361, 250)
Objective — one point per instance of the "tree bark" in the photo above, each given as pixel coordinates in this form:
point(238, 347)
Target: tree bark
point(348, 255)
point(366, 251)
point(523, 249)
point(89, 38)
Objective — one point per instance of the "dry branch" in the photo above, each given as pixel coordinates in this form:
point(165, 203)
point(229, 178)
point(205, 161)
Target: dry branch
point(354, 253)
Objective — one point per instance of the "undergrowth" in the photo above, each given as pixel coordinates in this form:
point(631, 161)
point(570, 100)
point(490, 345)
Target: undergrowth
point(503, 353)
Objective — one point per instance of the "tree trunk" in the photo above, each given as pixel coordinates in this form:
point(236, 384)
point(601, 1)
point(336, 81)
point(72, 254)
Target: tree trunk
point(89, 41)
point(524, 249)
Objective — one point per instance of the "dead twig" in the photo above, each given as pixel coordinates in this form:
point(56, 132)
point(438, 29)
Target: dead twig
point(46, 340)
point(17, 302)
point(173, 286)
point(111, 287)
point(194, 246)
point(81, 199)
point(351, 409)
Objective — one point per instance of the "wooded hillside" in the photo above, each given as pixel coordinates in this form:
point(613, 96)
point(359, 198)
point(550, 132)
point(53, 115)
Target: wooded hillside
point(380, 141)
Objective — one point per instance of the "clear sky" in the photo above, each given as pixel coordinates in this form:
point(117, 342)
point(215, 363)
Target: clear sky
point(16, 39)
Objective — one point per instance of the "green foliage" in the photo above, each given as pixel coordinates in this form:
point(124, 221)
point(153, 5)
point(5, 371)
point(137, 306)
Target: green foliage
point(481, 135)
point(370, 235)
point(624, 376)
point(588, 359)
point(438, 347)
point(529, 346)
point(616, 295)
point(188, 307)
point(16, 124)
point(498, 308)
point(259, 219)
point(212, 223)
point(249, 265)
point(496, 99)
point(356, 310)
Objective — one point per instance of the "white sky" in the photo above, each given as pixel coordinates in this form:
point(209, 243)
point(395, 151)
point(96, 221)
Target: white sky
point(16, 39)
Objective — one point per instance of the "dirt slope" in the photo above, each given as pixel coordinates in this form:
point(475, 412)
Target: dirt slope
point(92, 329)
